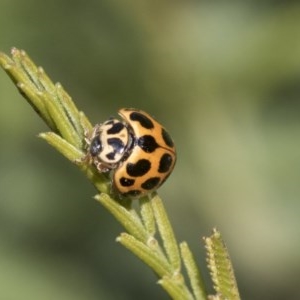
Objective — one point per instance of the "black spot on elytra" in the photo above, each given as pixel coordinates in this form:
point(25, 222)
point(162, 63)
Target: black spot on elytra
point(142, 119)
point(95, 146)
point(117, 144)
point(116, 128)
point(126, 181)
point(147, 143)
point(138, 169)
point(150, 183)
point(167, 138)
point(165, 163)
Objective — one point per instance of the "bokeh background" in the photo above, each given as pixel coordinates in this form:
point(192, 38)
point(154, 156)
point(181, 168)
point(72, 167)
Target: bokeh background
point(224, 79)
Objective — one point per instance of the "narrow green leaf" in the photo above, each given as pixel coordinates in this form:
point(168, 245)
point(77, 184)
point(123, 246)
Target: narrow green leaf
point(5, 61)
point(43, 95)
point(166, 232)
point(176, 290)
point(42, 79)
point(11, 67)
point(132, 224)
point(146, 254)
point(62, 146)
point(75, 156)
point(25, 83)
point(220, 267)
point(29, 68)
point(85, 122)
point(35, 99)
point(147, 215)
point(62, 122)
point(70, 109)
point(58, 95)
point(193, 272)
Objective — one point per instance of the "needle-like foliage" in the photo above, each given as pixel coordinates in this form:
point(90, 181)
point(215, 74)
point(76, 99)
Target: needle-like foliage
point(144, 223)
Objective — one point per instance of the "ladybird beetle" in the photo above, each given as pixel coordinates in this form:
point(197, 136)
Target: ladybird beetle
point(137, 151)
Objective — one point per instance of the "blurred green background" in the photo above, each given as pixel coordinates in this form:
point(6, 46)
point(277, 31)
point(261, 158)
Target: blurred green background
point(223, 77)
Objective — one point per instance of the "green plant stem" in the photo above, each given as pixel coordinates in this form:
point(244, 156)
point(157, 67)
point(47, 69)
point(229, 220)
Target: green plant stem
point(68, 128)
